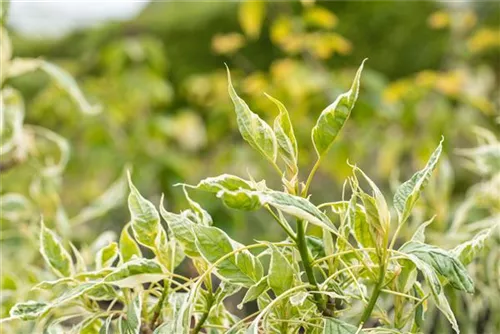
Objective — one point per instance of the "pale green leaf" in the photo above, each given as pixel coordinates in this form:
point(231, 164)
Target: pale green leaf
point(360, 228)
point(281, 273)
point(178, 321)
point(252, 128)
point(316, 246)
point(167, 252)
point(29, 310)
point(243, 268)
point(467, 251)
point(202, 215)
point(285, 137)
point(55, 255)
point(443, 262)
point(182, 229)
point(444, 306)
point(375, 203)
point(145, 220)
point(419, 234)
point(107, 327)
point(80, 265)
point(333, 118)
point(91, 325)
point(107, 255)
point(335, 326)
point(299, 298)
point(255, 291)
point(128, 246)
point(131, 324)
point(408, 275)
point(135, 272)
point(232, 190)
point(407, 193)
point(296, 206)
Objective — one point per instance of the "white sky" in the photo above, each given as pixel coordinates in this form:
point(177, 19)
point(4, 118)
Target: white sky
point(42, 18)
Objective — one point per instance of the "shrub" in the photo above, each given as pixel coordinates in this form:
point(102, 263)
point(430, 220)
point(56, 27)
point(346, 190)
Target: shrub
point(356, 278)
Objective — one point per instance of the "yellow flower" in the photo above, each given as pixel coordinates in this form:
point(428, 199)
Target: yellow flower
point(439, 20)
point(484, 39)
point(320, 17)
point(227, 43)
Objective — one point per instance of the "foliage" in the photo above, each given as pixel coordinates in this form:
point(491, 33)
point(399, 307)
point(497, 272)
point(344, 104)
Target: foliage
point(165, 110)
point(359, 269)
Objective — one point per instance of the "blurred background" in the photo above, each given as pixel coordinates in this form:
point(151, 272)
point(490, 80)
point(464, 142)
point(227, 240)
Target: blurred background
point(157, 70)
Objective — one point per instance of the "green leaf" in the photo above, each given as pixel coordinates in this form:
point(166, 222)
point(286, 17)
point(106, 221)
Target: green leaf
point(182, 228)
point(107, 255)
point(407, 194)
point(316, 246)
point(281, 273)
point(166, 251)
point(419, 235)
point(377, 210)
point(252, 128)
point(203, 216)
point(223, 182)
point(299, 298)
point(443, 262)
point(335, 326)
point(360, 228)
point(102, 292)
point(52, 250)
point(107, 327)
point(29, 310)
point(135, 273)
point(255, 291)
point(145, 220)
point(232, 191)
point(243, 268)
point(408, 275)
point(467, 251)
point(444, 306)
point(296, 206)
point(131, 324)
point(128, 246)
point(285, 137)
point(91, 325)
point(177, 321)
point(333, 118)
point(66, 82)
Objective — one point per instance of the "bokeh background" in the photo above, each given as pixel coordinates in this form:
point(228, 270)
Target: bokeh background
point(157, 70)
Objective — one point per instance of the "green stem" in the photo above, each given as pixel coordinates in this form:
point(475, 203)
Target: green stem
point(373, 299)
point(159, 305)
point(306, 261)
point(310, 177)
point(203, 318)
